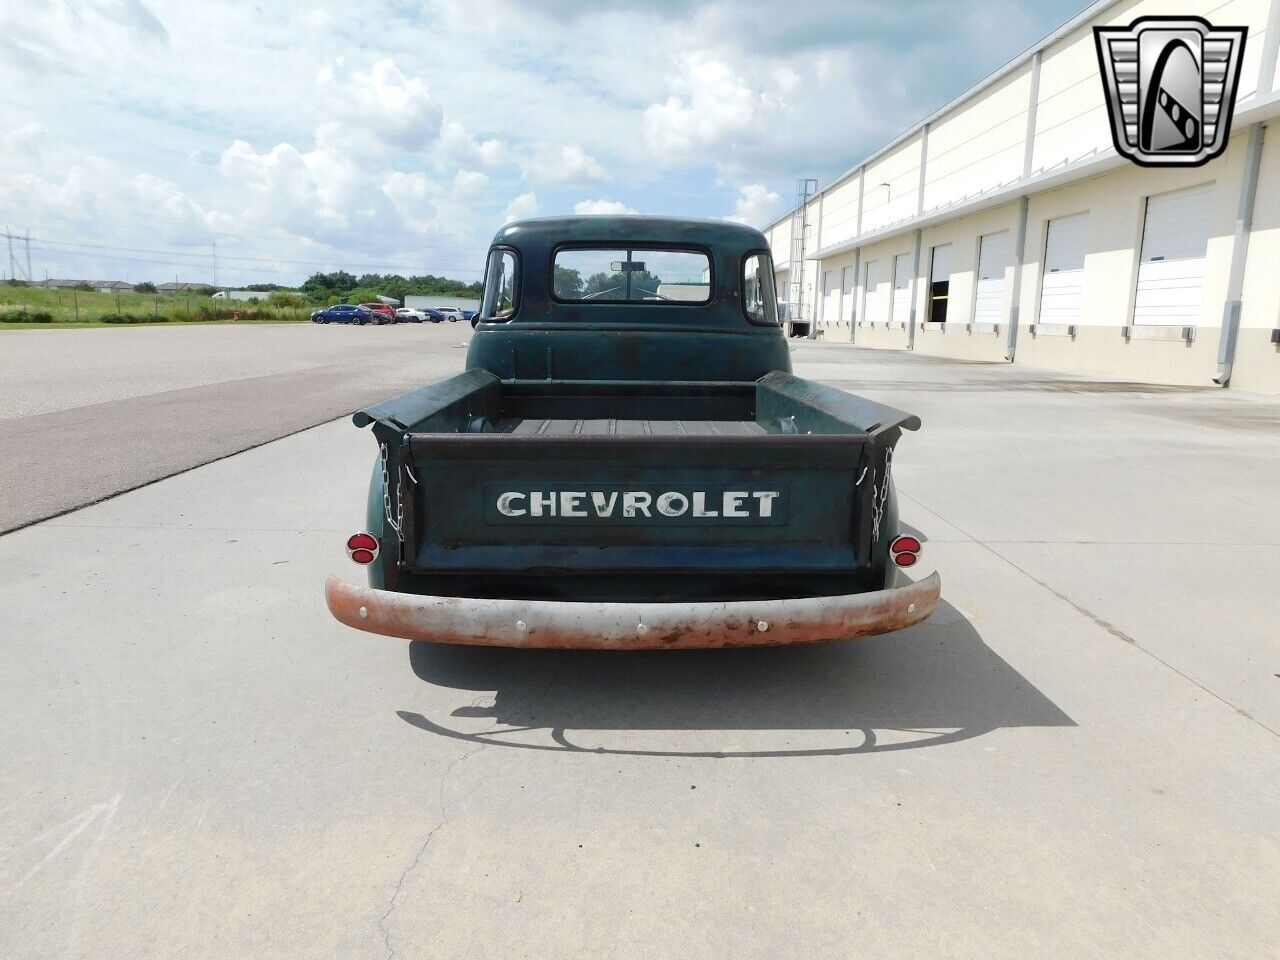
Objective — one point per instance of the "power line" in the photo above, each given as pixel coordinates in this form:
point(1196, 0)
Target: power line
point(54, 245)
point(151, 222)
point(266, 271)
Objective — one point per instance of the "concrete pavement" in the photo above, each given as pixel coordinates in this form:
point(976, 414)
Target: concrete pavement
point(1077, 756)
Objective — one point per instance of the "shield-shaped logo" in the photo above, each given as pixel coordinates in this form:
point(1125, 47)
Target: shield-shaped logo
point(1170, 84)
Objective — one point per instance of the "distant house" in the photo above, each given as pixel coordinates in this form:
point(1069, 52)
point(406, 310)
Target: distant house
point(176, 287)
point(58, 284)
point(111, 286)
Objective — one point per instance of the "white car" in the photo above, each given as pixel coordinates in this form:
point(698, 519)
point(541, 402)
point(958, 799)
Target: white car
point(452, 314)
point(409, 315)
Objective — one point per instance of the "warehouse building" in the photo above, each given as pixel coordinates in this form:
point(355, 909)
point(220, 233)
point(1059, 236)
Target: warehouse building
point(1006, 227)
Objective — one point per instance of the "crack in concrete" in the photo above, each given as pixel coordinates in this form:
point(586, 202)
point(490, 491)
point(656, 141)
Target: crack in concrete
point(453, 764)
point(1097, 620)
point(1121, 635)
point(383, 927)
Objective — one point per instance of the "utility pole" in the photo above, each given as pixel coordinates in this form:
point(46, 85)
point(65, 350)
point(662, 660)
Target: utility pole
point(795, 272)
point(13, 266)
point(28, 242)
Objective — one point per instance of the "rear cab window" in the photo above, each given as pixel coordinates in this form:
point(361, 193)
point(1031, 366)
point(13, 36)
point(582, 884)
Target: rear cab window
point(631, 275)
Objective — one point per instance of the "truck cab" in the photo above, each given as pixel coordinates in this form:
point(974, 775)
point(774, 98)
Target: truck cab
point(628, 461)
point(629, 299)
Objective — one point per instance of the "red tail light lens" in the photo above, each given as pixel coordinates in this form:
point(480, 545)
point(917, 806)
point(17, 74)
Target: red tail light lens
point(905, 544)
point(362, 548)
point(905, 559)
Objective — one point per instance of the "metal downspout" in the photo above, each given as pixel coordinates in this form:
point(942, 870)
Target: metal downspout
point(1239, 254)
point(853, 307)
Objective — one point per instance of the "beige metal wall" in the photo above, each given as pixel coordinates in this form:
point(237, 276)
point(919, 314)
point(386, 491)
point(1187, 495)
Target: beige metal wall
point(1039, 129)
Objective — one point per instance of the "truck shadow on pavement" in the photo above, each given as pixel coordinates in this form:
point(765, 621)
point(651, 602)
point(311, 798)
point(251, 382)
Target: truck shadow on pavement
point(934, 684)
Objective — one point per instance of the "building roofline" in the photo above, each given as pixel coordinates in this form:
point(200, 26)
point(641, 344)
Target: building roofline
point(1084, 16)
point(1261, 110)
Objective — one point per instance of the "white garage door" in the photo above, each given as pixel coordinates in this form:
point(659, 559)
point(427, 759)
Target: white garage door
point(901, 311)
point(993, 260)
point(871, 292)
point(1171, 271)
point(830, 299)
point(848, 279)
point(1062, 292)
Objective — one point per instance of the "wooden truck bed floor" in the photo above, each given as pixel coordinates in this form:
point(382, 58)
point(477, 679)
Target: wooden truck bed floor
point(631, 428)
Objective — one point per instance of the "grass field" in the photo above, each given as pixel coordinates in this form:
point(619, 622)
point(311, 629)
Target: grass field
point(22, 307)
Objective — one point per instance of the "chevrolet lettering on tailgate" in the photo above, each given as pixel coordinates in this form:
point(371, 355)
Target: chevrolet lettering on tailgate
point(630, 505)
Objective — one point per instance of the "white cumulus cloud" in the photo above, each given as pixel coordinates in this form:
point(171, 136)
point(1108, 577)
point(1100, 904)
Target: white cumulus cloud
point(563, 163)
point(459, 146)
point(602, 206)
point(525, 205)
point(384, 103)
point(710, 106)
point(756, 204)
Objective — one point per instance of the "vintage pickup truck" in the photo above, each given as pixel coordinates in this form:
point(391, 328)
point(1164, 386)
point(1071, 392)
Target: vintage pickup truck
point(627, 462)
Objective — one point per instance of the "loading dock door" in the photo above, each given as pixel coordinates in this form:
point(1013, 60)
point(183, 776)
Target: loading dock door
point(830, 299)
point(1062, 291)
point(871, 292)
point(1171, 271)
point(901, 310)
point(993, 260)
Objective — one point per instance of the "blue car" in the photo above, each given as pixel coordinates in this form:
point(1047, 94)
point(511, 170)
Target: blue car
point(344, 313)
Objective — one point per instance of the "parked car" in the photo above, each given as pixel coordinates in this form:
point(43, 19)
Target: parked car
point(632, 471)
point(385, 312)
point(452, 314)
point(344, 313)
point(469, 315)
point(432, 314)
point(410, 315)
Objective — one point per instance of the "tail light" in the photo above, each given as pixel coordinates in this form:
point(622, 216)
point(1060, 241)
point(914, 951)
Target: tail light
point(362, 548)
point(905, 544)
point(905, 551)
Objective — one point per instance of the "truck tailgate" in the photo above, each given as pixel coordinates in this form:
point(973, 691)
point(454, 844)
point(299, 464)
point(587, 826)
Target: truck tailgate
point(683, 498)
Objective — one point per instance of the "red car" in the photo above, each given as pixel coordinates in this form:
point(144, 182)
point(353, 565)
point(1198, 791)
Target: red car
point(386, 313)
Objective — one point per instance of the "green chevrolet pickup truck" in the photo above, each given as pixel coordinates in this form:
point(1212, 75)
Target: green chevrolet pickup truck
point(628, 462)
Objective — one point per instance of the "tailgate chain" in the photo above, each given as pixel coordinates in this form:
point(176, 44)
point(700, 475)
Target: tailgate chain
point(878, 497)
point(393, 522)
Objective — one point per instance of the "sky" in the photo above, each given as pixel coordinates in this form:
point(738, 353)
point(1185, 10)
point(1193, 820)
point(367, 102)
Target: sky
point(261, 142)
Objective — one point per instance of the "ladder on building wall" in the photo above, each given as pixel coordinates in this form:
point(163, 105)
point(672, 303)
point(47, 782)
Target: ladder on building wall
point(795, 299)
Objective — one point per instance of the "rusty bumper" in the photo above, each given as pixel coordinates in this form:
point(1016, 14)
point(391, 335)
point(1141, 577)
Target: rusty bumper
point(631, 626)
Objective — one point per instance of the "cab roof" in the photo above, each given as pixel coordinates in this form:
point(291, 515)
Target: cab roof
point(545, 233)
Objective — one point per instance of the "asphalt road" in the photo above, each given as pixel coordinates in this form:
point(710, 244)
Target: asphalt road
point(1076, 757)
point(85, 414)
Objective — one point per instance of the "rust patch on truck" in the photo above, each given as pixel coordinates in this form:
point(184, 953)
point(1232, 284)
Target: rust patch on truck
point(571, 625)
